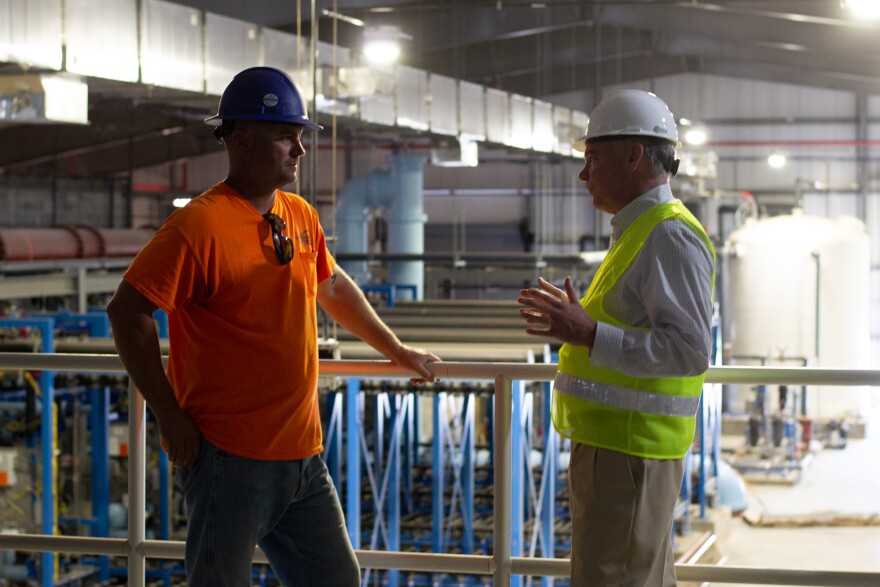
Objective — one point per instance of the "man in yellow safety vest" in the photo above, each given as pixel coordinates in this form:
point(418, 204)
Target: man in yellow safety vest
point(636, 349)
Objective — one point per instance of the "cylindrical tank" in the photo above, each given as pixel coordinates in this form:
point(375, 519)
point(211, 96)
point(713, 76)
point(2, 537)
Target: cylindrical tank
point(799, 287)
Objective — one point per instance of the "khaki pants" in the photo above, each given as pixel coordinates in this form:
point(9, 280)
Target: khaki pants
point(621, 514)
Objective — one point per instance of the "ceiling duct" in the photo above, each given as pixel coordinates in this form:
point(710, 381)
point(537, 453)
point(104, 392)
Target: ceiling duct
point(43, 98)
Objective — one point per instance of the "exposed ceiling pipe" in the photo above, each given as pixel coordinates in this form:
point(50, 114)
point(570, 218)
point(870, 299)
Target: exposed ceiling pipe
point(797, 143)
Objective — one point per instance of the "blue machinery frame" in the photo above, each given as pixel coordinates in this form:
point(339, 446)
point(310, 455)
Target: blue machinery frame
point(46, 327)
point(97, 325)
point(388, 468)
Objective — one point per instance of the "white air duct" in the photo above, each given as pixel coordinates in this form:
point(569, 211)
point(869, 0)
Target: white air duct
point(44, 98)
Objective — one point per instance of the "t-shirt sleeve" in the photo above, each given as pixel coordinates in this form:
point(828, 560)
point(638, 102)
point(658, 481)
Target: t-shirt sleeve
point(167, 271)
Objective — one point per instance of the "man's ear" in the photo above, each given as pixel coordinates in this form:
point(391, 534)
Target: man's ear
point(239, 138)
point(635, 155)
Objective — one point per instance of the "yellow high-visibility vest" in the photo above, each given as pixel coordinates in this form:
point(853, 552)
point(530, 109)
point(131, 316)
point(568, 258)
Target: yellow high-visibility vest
point(650, 417)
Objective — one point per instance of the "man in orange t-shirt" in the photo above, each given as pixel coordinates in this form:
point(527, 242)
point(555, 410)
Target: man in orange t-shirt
point(239, 270)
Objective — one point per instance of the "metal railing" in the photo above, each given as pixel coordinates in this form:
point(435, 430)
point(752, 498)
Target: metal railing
point(500, 565)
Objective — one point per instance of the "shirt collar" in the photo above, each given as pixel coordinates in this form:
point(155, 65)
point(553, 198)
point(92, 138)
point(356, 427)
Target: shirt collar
point(628, 214)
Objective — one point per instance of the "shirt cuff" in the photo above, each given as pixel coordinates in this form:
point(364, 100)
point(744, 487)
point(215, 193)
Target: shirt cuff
point(608, 345)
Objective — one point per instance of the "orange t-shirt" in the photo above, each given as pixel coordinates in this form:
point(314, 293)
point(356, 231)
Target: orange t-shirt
point(243, 328)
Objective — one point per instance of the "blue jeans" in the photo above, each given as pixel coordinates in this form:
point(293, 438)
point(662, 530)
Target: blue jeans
point(289, 508)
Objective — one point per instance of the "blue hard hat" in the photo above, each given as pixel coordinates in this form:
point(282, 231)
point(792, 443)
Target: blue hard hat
point(263, 93)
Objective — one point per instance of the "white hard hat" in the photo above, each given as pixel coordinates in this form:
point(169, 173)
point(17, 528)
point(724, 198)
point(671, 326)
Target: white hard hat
point(634, 113)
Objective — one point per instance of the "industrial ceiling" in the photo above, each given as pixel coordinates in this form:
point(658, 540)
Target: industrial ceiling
point(539, 49)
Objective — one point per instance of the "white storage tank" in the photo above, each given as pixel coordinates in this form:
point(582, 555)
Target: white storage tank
point(799, 287)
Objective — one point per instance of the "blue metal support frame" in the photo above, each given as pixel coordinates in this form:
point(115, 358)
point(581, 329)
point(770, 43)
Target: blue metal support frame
point(333, 439)
point(453, 459)
point(385, 477)
point(408, 459)
point(548, 481)
point(468, 449)
point(46, 327)
point(164, 509)
point(516, 473)
point(99, 416)
point(97, 324)
point(161, 323)
point(379, 415)
point(353, 404)
point(396, 410)
point(438, 461)
point(390, 290)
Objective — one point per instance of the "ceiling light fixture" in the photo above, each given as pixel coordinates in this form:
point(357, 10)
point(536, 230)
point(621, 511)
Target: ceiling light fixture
point(776, 160)
point(863, 8)
point(382, 44)
point(696, 136)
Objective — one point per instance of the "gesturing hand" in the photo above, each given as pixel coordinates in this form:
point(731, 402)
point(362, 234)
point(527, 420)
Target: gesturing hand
point(559, 313)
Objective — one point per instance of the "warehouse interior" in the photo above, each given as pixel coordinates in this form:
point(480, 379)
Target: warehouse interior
point(446, 182)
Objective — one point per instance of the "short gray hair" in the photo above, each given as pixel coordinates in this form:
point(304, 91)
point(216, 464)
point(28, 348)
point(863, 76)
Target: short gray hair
point(660, 154)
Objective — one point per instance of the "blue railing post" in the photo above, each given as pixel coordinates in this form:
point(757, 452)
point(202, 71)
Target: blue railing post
point(548, 505)
point(468, 448)
point(517, 470)
point(99, 416)
point(333, 440)
point(438, 486)
point(396, 413)
point(353, 461)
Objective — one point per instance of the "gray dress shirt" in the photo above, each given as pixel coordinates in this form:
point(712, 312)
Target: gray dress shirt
point(668, 289)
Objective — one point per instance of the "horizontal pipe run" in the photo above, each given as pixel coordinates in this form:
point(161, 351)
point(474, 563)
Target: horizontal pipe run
point(451, 563)
point(72, 362)
point(62, 362)
point(793, 376)
point(67, 544)
point(426, 562)
point(174, 550)
point(765, 576)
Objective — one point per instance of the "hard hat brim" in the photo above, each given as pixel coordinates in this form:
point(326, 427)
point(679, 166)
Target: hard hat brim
point(580, 144)
point(303, 122)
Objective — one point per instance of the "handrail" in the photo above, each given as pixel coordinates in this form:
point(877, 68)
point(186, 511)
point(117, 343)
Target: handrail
point(501, 565)
point(463, 370)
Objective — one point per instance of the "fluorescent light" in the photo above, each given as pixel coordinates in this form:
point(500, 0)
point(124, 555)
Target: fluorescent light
point(696, 136)
point(342, 17)
point(863, 8)
point(382, 44)
point(776, 160)
point(382, 51)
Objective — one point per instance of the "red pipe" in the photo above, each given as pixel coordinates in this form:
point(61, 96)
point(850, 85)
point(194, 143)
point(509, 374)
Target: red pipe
point(70, 242)
point(158, 187)
point(817, 143)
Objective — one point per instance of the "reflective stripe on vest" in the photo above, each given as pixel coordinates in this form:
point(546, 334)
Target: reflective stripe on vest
point(625, 398)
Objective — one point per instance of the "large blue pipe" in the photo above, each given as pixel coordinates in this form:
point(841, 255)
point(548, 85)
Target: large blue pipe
point(372, 190)
point(401, 191)
point(406, 222)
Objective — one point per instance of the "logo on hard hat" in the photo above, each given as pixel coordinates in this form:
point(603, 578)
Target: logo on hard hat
point(270, 100)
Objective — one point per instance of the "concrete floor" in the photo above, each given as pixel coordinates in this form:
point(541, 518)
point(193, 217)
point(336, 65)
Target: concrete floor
point(843, 482)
